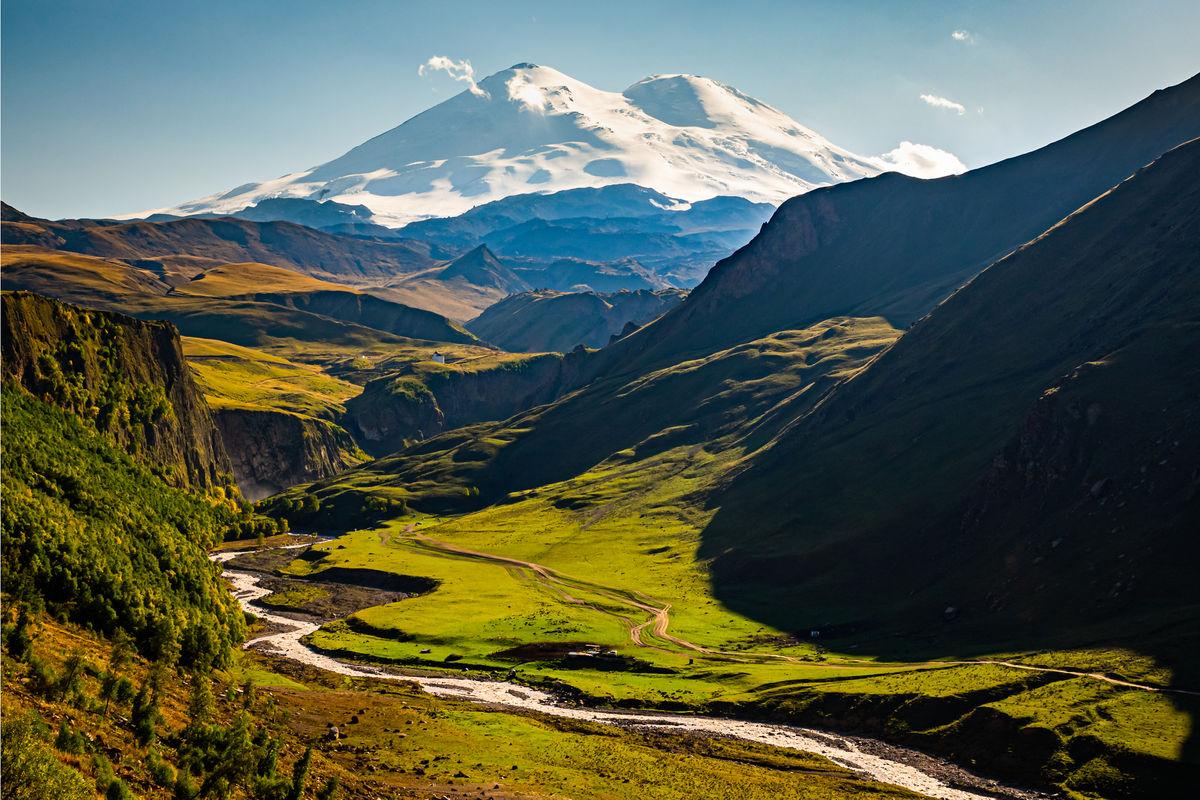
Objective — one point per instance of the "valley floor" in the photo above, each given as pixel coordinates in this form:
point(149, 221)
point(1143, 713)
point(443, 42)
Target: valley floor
point(866, 758)
point(512, 632)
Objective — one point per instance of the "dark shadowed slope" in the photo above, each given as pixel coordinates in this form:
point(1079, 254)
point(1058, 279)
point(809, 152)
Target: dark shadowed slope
point(548, 321)
point(896, 246)
point(1035, 437)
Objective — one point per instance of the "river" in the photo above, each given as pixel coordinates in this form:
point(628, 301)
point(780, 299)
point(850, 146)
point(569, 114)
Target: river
point(875, 760)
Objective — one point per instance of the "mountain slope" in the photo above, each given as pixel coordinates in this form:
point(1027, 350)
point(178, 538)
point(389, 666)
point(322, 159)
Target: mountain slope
point(481, 268)
point(228, 240)
point(532, 128)
point(962, 469)
point(896, 246)
point(264, 284)
point(324, 319)
point(127, 376)
point(548, 321)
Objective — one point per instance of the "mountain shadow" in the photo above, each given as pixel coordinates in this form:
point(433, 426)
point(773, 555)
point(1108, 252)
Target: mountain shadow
point(1019, 471)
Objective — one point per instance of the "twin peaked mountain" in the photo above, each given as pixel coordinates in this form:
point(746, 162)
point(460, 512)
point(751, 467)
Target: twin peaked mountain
point(533, 129)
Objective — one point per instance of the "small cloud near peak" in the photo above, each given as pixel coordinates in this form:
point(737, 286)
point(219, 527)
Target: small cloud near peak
point(520, 90)
point(961, 35)
point(458, 70)
point(920, 161)
point(942, 102)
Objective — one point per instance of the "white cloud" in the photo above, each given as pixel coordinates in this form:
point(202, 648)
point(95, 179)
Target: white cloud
point(459, 70)
point(920, 161)
point(942, 102)
point(962, 36)
point(525, 93)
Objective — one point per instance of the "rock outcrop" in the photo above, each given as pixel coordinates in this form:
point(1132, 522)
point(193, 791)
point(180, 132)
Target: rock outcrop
point(272, 450)
point(419, 403)
point(127, 376)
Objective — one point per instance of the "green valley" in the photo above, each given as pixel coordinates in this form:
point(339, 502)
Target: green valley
point(900, 500)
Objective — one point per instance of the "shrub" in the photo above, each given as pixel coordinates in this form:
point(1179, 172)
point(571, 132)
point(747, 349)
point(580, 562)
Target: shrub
point(30, 769)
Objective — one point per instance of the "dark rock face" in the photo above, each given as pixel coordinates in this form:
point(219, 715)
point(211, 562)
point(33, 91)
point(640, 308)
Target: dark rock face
point(272, 450)
point(127, 375)
point(405, 407)
point(549, 321)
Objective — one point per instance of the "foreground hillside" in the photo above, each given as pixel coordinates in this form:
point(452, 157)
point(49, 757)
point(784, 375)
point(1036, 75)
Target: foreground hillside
point(115, 480)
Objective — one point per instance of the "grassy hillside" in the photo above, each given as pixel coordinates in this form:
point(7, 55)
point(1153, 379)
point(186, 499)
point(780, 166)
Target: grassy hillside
point(694, 404)
point(228, 240)
point(243, 280)
point(293, 290)
point(281, 419)
point(232, 376)
point(287, 330)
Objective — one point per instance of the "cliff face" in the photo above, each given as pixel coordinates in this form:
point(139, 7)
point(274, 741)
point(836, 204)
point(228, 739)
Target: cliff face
point(549, 321)
point(418, 404)
point(128, 376)
point(272, 450)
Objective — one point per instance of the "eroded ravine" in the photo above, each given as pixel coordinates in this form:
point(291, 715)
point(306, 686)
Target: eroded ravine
point(873, 760)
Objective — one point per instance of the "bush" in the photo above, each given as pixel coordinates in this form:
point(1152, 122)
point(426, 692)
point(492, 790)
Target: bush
point(160, 771)
point(17, 638)
point(70, 740)
point(185, 787)
point(117, 790)
point(329, 790)
point(30, 769)
point(42, 679)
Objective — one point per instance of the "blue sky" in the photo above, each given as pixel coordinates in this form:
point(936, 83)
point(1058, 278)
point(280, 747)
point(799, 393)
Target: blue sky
point(110, 107)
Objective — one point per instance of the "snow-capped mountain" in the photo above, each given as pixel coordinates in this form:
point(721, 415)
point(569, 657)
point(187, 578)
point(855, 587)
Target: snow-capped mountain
point(532, 128)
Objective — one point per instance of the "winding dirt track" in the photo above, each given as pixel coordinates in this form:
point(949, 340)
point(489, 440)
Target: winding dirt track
point(659, 618)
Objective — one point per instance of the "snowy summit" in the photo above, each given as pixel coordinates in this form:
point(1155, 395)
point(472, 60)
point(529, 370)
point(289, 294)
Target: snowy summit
point(531, 129)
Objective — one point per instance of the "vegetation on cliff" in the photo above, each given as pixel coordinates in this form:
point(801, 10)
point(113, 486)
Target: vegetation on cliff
point(102, 540)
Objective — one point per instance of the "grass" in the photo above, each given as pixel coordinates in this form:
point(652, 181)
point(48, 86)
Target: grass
point(241, 377)
point(232, 280)
point(294, 598)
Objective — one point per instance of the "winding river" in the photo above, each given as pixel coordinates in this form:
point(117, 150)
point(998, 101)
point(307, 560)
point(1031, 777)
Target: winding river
point(899, 767)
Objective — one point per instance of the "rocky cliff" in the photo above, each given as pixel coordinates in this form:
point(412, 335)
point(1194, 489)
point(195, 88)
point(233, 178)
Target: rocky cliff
point(426, 399)
point(549, 321)
point(272, 450)
point(127, 376)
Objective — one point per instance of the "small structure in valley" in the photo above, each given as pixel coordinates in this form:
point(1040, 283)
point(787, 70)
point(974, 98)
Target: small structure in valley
point(438, 357)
